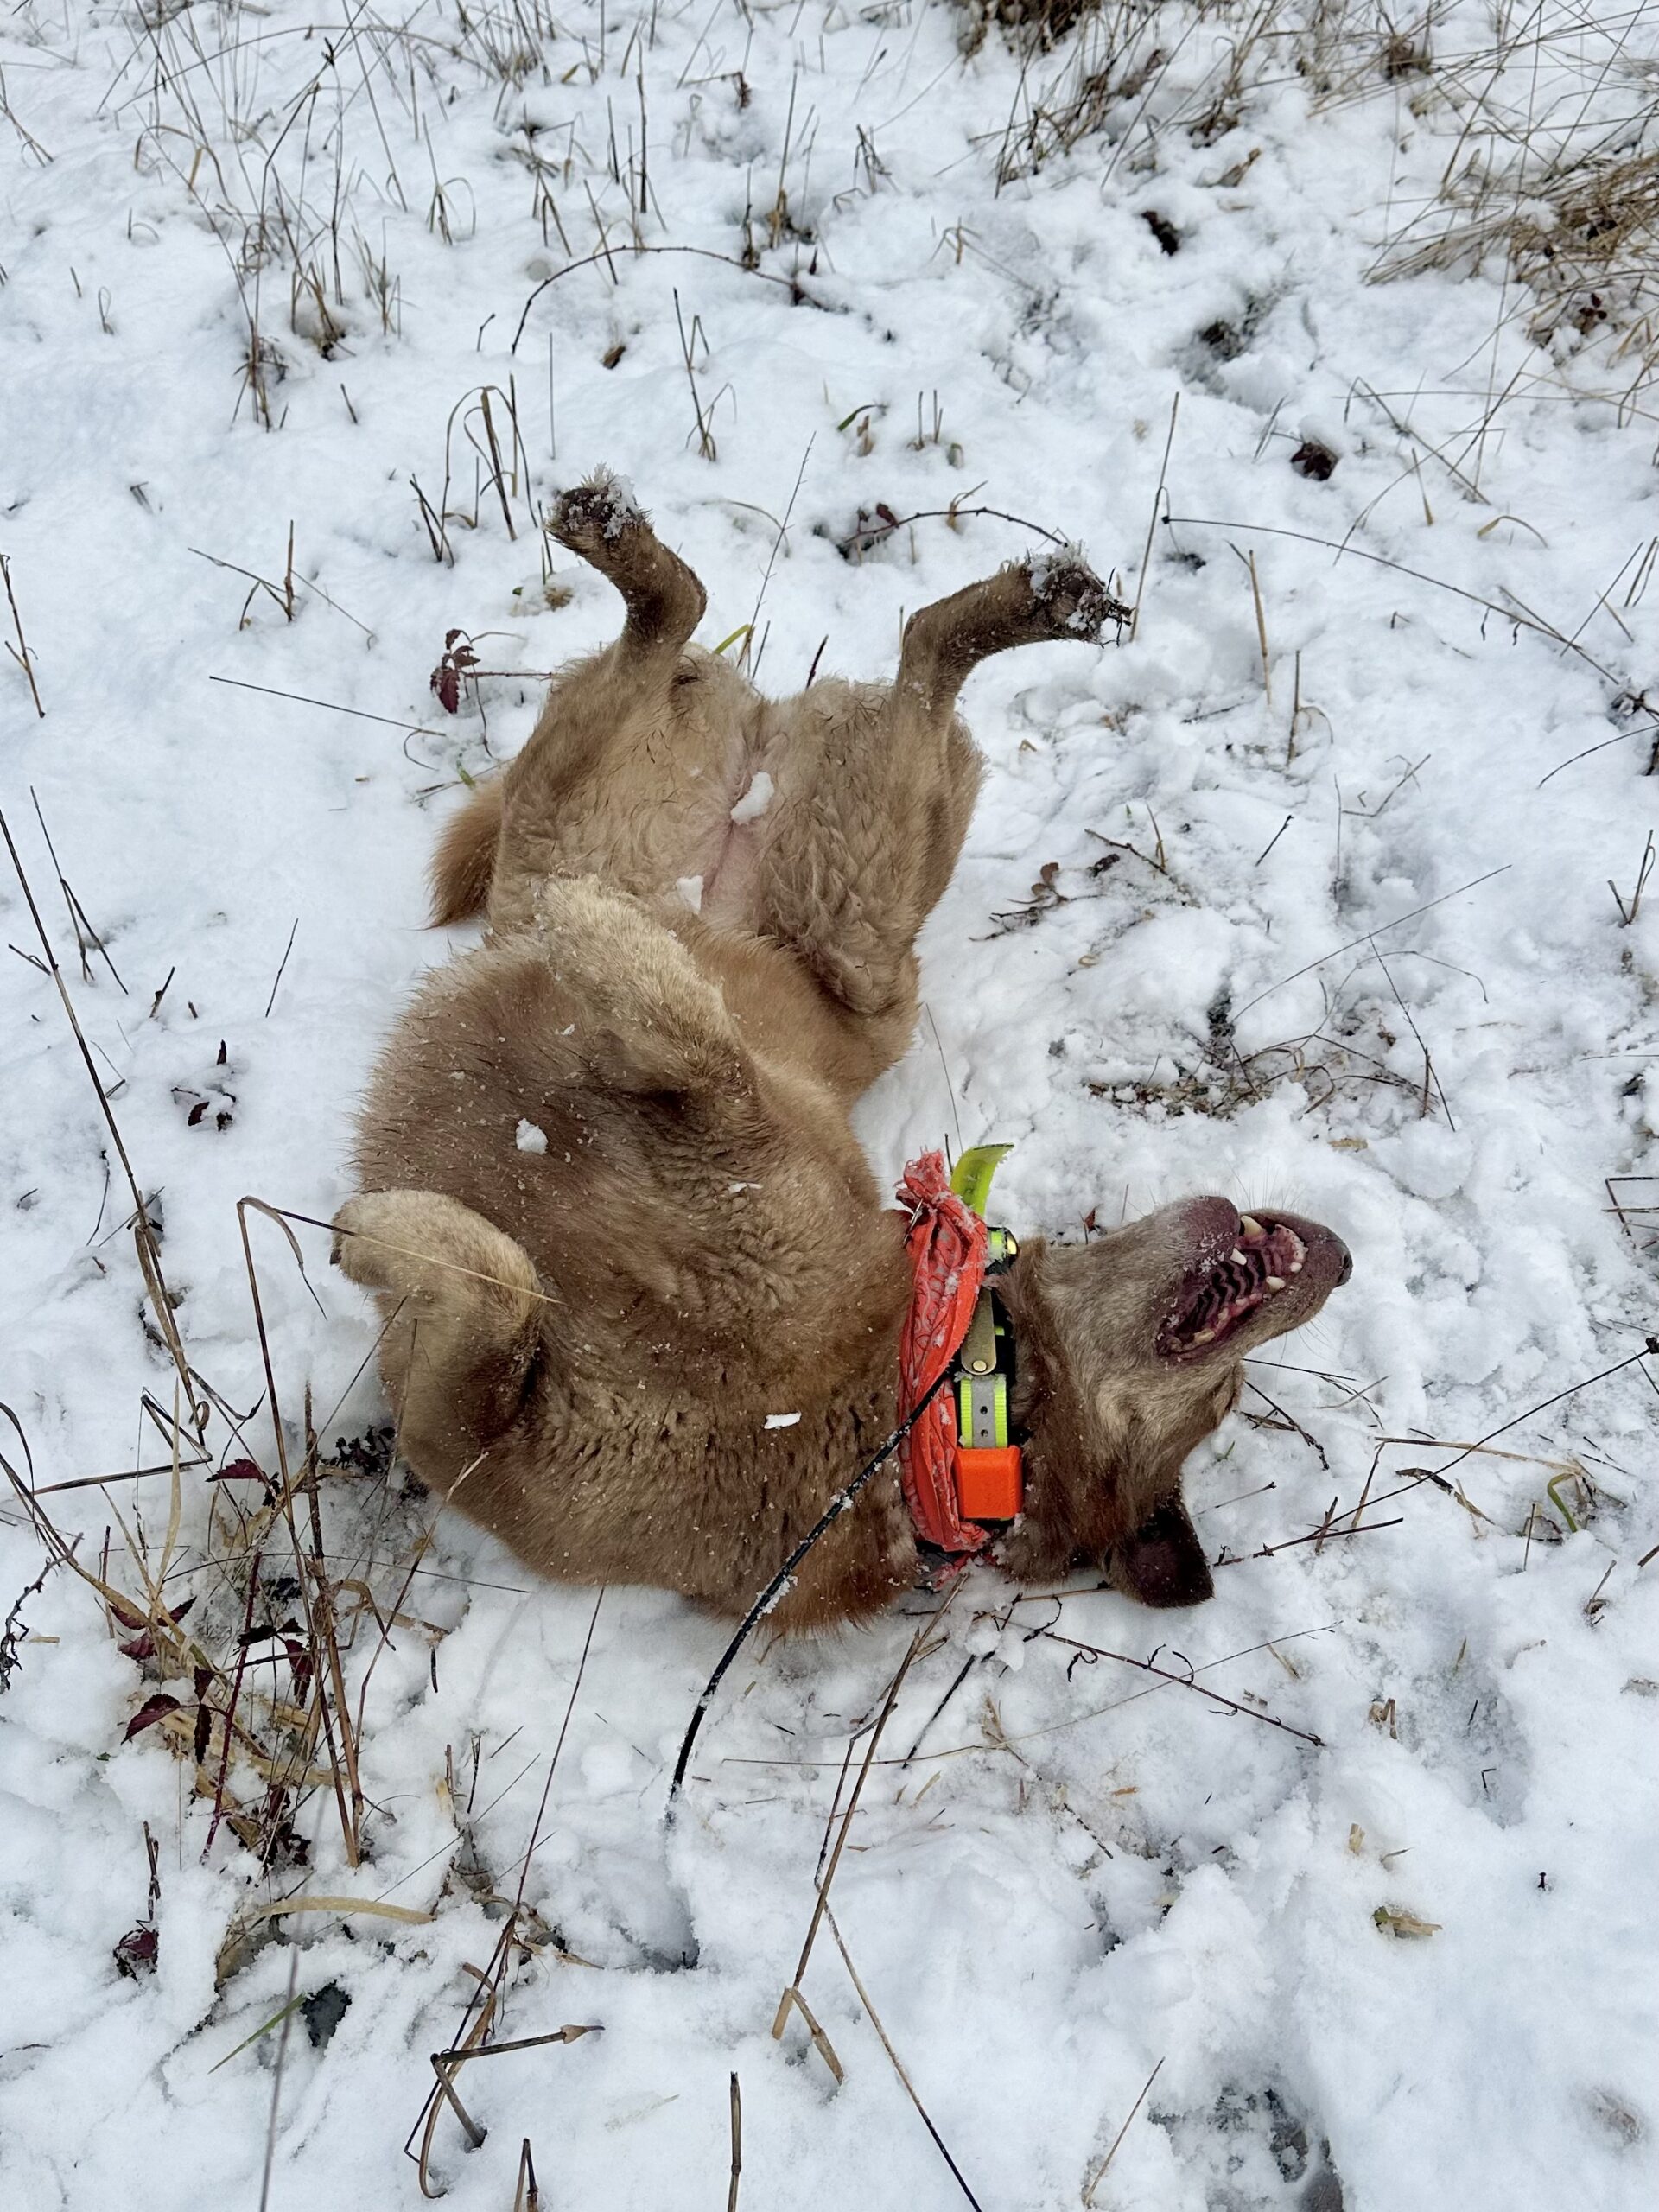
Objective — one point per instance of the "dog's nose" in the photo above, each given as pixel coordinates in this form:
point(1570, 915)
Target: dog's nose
point(1347, 1267)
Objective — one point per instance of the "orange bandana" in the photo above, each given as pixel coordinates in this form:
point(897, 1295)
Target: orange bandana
point(947, 1244)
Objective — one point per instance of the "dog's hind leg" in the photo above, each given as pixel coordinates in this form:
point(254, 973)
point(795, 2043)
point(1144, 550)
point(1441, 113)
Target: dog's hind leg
point(463, 1325)
point(870, 843)
point(600, 520)
point(605, 708)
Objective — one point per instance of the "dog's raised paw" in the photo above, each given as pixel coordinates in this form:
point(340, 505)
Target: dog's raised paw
point(358, 1250)
point(595, 512)
point(1071, 596)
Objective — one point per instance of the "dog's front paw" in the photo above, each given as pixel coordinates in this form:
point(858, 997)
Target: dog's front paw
point(433, 1253)
point(365, 1230)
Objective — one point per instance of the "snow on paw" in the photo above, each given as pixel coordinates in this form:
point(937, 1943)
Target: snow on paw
point(1074, 601)
point(591, 516)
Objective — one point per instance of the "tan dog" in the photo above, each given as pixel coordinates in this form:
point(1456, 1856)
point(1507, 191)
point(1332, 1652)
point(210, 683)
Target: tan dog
point(613, 1209)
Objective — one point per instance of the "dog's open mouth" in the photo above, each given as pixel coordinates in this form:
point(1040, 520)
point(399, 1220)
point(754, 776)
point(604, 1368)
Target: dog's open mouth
point(1265, 1261)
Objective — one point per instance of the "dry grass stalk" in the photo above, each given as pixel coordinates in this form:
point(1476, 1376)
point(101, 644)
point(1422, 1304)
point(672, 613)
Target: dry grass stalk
point(1099, 2174)
point(277, 2083)
point(689, 340)
point(1628, 914)
point(330, 1712)
point(20, 652)
point(481, 2006)
point(898, 2064)
point(1160, 501)
point(737, 2145)
point(147, 1243)
point(87, 938)
point(791, 1995)
point(226, 1728)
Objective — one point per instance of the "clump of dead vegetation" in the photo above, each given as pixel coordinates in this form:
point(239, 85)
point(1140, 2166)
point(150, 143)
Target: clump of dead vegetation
point(253, 1645)
point(1551, 128)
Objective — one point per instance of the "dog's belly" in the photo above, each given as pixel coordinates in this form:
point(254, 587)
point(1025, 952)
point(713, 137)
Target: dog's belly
point(696, 838)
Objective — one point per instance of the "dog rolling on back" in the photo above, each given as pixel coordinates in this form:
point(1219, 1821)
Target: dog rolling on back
point(612, 1207)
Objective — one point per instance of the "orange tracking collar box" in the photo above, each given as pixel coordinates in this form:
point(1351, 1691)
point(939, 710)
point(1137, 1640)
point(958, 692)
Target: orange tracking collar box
point(991, 1483)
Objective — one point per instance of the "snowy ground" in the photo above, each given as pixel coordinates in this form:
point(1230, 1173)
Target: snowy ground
point(898, 289)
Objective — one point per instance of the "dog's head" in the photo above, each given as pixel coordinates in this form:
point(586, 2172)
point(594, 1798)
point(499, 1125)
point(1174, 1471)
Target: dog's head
point(1131, 1351)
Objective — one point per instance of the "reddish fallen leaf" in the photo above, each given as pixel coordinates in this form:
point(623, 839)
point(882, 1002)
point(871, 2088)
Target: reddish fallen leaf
point(238, 1470)
point(135, 1953)
point(152, 1710)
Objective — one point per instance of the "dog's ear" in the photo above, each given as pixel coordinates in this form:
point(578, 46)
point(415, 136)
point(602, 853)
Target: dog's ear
point(1162, 1563)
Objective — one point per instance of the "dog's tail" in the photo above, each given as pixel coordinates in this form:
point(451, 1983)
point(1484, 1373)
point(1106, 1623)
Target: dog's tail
point(465, 861)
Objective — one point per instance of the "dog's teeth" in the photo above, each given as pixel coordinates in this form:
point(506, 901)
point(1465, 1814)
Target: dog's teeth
point(1251, 1225)
point(1204, 1337)
point(1237, 1257)
point(1295, 1266)
point(1275, 1282)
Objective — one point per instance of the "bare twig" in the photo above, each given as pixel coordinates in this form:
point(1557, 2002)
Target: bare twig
point(1188, 1681)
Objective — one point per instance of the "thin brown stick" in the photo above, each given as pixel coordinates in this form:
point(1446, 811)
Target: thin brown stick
point(415, 730)
point(940, 2143)
point(282, 967)
point(1188, 1681)
point(572, 2033)
point(324, 1618)
point(1099, 2174)
point(737, 2145)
